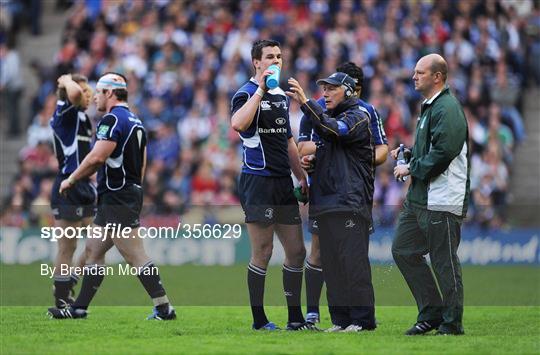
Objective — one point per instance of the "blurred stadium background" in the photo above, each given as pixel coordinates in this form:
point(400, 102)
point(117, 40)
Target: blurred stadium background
point(184, 60)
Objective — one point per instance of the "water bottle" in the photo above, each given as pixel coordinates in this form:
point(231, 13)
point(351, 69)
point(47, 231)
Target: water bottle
point(272, 81)
point(300, 196)
point(401, 160)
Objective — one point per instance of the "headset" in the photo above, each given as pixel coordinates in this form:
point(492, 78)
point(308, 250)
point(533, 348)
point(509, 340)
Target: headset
point(348, 91)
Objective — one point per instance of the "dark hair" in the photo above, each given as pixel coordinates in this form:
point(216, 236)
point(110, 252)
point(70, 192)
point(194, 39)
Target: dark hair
point(354, 71)
point(257, 48)
point(61, 93)
point(121, 94)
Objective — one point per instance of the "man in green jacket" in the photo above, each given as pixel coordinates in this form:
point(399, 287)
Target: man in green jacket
point(430, 221)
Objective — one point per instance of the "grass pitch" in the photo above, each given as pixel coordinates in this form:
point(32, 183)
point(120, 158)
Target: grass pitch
point(122, 330)
point(502, 315)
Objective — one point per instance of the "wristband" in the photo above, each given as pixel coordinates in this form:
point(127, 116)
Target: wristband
point(71, 181)
point(259, 92)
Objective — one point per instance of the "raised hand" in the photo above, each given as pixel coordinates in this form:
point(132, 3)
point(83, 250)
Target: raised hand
point(296, 92)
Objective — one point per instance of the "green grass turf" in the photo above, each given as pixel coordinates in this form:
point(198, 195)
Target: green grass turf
point(190, 285)
point(122, 330)
point(502, 315)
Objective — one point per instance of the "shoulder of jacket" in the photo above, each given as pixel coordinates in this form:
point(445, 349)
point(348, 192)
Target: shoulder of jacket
point(357, 111)
point(447, 98)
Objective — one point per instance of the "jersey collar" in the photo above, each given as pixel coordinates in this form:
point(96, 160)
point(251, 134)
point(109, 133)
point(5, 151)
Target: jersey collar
point(124, 105)
point(430, 100)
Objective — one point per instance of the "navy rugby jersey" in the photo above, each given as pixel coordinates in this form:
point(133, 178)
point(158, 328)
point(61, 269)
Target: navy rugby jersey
point(265, 142)
point(306, 132)
point(124, 166)
point(72, 131)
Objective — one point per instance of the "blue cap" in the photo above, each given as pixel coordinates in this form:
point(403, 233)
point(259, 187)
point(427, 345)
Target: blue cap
point(339, 79)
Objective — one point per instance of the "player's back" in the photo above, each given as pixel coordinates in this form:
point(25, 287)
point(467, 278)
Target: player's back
point(72, 136)
point(376, 124)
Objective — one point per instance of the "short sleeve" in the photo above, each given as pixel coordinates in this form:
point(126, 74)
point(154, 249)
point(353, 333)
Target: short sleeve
point(239, 99)
point(377, 128)
point(108, 129)
point(306, 128)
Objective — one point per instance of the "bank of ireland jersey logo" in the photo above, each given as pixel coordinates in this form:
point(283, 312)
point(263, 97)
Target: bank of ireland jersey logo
point(102, 131)
point(281, 121)
point(265, 105)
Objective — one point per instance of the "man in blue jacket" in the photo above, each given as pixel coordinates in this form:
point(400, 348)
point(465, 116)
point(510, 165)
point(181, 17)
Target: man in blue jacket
point(307, 145)
point(341, 195)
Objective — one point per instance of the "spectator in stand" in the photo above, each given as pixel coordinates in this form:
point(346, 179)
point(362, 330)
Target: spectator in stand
point(489, 187)
point(505, 91)
point(39, 160)
point(165, 146)
point(11, 88)
point(204, 185)
point(196, 58)
point(499, 132)
point(40, 130)
point(194, 127)
point(40, 210)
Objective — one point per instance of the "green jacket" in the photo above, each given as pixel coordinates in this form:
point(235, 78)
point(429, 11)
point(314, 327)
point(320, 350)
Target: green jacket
point(440, 166)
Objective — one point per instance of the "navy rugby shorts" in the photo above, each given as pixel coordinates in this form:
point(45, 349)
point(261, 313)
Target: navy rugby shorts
point(122, 207)
point(268, 200)
point(77, 203)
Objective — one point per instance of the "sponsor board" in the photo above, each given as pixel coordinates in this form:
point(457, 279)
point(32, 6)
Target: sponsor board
point(24, 246)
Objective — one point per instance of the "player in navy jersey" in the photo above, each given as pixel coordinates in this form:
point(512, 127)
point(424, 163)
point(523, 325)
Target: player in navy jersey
point(72, 141)
point(261, 117)
point(307, 141)
point(120, 156)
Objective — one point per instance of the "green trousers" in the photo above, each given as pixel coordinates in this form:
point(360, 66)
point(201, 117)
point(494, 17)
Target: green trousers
point(420, 232)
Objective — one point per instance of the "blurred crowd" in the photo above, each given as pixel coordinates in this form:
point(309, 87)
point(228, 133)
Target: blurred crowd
point(185, 59)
